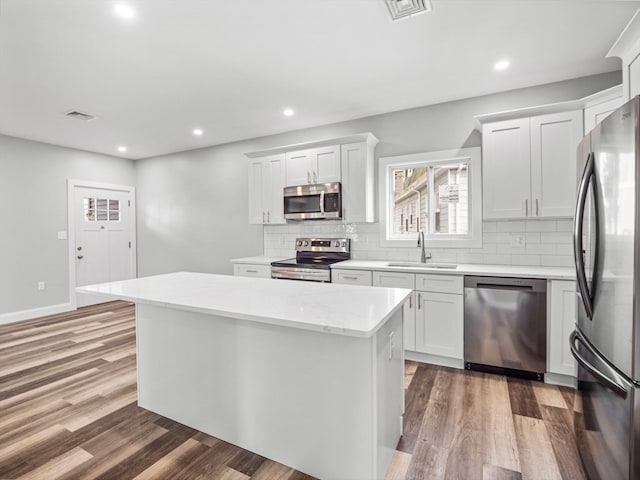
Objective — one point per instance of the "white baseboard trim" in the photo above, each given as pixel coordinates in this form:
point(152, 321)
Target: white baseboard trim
point(434, 359)
point(562, 380)
point(35, 313)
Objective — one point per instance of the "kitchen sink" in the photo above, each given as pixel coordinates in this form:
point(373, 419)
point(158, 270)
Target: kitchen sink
point(448, 266)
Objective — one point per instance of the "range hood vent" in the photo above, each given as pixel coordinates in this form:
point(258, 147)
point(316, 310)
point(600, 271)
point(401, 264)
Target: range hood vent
point(405, 8)
point(79, 115)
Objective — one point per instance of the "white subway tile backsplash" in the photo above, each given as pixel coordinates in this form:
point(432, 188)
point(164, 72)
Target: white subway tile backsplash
point(510, 226)
point(547, 242)
point(541, 226)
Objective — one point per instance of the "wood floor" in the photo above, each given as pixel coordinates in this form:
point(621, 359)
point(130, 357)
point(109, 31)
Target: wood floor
point(68, 410)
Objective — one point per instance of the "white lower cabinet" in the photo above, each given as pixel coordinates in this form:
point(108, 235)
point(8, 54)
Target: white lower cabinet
point(439, 315)
point(250, 270)
point(561, 322)
point(402, 280)
point(351, 277)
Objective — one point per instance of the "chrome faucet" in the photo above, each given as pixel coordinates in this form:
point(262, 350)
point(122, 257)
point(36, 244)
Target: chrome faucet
point(423, 255)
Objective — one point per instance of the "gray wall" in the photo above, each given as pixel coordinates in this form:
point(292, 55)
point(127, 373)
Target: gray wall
point(192, 206)
point(33, 208)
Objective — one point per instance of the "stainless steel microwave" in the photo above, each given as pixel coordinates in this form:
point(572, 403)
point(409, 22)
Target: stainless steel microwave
point(313, 202)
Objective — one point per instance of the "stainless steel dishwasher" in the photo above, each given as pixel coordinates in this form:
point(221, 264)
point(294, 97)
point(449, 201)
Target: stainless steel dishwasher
point(505, 326)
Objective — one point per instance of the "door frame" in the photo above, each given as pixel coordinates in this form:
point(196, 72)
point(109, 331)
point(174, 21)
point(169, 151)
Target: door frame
point(71, 228)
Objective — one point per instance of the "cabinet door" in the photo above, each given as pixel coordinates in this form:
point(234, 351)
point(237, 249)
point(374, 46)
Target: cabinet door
point(273, 184)
point(594, 114)
point(325, 164)
point(439, 321)
point(561, 322)
point(257, 214)
point(358, 182)
point(409, 316)
point(352, 277)
point(506, 169)
point(249, 270)
point(297, 166)
point(554, 139)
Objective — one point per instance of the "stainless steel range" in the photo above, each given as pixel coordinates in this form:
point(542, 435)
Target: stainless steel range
point(314, 257)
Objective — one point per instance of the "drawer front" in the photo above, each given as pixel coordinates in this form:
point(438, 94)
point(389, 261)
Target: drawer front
point(261, 271)
point(353, 277)
point(440, 283)
point(394, 280)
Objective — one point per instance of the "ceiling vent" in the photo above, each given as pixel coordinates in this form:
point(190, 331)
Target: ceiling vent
point(79, 115)
point(405, 8)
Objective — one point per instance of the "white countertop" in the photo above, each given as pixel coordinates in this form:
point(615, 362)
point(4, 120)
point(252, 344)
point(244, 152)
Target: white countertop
point(522, 271)
point(259, 260)
point(341, 309)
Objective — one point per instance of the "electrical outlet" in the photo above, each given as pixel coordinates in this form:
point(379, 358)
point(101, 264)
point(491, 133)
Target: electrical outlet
point(518, 240)
point(40, 286)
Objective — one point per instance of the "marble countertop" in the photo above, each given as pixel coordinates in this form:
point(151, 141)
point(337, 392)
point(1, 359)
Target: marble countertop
point(259, 260)
point(523, 271)
point(339, 309)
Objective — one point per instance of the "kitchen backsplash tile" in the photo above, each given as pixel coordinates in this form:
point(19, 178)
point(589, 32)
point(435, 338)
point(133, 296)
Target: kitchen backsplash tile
point(520, 242)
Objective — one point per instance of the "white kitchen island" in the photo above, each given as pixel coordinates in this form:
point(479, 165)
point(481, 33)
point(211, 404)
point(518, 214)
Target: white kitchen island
point(307, 374)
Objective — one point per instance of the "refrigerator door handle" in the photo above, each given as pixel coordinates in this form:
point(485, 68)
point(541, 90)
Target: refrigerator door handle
point(583, 190)
point(613, 385)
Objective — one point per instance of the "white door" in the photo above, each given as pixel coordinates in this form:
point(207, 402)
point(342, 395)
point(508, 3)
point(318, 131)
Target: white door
point(103, 241)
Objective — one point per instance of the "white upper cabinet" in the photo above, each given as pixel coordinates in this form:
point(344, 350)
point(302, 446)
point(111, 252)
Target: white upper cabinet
point(599, 105)
point(358, 181)
point(506, 168)
point(315, 165)
point(266, 181)
point(528, 166)
point(349, 160)
point(627, 48)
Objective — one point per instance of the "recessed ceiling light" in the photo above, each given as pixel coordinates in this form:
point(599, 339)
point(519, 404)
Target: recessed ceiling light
point(197, 131)
point(287, 112)
point(122, 149)
point(501, 65)
point(124, 11)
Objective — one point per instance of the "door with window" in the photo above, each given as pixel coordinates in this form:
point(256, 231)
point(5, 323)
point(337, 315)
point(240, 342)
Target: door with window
point(103, 238)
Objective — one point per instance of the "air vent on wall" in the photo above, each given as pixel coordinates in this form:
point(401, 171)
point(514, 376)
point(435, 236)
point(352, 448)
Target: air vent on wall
point(405, 8)
point(79, 115)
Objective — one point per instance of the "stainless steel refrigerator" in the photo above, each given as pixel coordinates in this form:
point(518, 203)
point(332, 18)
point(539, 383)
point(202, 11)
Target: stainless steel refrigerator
point(606, 342)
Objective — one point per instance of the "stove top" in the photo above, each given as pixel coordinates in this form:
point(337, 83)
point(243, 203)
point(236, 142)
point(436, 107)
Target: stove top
point(314, 257)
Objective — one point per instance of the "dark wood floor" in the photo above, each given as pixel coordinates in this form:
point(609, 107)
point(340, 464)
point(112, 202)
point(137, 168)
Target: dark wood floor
point(68, 410)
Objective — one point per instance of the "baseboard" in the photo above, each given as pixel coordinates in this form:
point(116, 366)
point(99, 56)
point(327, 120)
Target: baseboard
point(562, 380)
point(434, 359)
point(35, 313)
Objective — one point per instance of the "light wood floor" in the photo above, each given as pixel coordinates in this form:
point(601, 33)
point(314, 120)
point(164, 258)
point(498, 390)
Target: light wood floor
point(68, 410)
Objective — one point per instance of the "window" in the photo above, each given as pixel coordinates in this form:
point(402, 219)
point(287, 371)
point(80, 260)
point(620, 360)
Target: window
point(437, 193)
point(101, 210)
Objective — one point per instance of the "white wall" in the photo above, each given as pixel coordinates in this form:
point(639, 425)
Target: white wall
point(33, 208)
point(193, 205)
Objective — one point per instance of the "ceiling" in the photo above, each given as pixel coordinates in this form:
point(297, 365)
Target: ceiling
point(231, 67)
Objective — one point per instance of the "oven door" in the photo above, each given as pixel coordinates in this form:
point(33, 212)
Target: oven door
point(299, 273)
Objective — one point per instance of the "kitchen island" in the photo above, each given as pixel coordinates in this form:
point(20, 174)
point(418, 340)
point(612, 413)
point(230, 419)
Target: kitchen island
point(307, 374)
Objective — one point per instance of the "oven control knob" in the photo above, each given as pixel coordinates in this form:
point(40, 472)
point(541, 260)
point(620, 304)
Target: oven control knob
point(306, 244)
point(299, 243)
point(337, 243)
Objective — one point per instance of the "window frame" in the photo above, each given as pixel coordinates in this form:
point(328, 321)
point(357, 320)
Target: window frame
point(472, 155)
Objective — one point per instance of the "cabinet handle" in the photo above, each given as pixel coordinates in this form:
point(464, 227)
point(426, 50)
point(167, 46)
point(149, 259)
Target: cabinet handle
point(268, 217)
point(526, 208)
point(349, 277)
point(537, 210)
point(419, 301)
point(263, 218)
point(410, 301)
point(308, 177)
point(251, 271)
point(315, 177)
